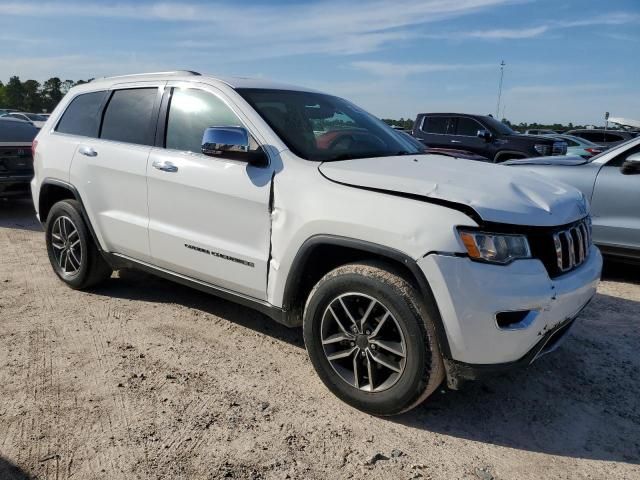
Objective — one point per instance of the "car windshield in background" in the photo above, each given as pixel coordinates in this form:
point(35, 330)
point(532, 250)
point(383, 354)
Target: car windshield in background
point(35, 117)
point(500, 127)
point(326, 128)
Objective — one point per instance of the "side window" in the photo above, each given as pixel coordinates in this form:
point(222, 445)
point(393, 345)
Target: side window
point(82, 116)
point(618, 160)
point(468, 127)
point(191, 111)
point(592, 136)
point(129, 116)
point(438, 125)
point(568, 141)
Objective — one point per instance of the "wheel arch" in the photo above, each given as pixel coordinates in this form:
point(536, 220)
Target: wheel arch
point(322, 253)
point(52, 191)
point(504, 155)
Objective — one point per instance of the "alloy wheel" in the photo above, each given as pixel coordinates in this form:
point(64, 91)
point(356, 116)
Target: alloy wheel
point(67, 248)
point(363, 342)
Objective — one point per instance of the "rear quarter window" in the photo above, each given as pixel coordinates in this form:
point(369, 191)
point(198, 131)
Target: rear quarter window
point(82, 116)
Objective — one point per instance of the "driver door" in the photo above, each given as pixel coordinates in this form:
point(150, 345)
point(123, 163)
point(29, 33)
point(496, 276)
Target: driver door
point(615, 204)
point(209, 217)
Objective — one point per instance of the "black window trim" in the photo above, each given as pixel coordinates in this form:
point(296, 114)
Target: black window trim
point(153, 123)
point(435, 116)
point(54, 130)
point(455, 117)
point(482, 127)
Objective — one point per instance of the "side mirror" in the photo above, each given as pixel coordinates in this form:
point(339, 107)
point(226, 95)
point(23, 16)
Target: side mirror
point(631, 166)
point(485, 135)
point(231, 142)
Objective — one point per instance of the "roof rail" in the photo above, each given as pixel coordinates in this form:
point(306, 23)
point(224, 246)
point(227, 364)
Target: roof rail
point(173, 72)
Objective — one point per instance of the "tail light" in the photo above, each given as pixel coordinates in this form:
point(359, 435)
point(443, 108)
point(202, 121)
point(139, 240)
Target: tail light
point(593, 151)
point(34, 145)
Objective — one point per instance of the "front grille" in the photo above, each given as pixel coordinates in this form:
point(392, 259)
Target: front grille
point(572, 246)
point(562, 249)
point(559, 148)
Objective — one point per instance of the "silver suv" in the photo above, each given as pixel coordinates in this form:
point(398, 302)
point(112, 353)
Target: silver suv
point(611, 182)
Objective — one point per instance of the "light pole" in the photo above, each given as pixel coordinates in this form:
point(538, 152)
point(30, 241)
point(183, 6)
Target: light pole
point(502, 65)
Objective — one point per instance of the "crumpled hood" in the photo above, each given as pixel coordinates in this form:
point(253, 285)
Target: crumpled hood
point(556, 160)
point(496, 193)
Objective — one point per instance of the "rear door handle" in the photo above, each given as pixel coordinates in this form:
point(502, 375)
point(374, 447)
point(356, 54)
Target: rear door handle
point(456, 141)
point(87, 151)
point(165, 166)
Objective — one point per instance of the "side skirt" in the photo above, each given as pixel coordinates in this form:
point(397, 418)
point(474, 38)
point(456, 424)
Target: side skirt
point(118, 261)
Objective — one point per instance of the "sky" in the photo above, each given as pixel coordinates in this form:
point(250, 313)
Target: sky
point(566, 60)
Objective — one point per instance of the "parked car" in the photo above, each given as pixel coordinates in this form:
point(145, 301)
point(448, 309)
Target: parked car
point(16, 161)
point(483, 135)
point(402, 269)
point(34, 119)
point(540, 131)
point(602, 137)
point(6, 110)
point(449, 152)
point(611, 182)
point(577, 146)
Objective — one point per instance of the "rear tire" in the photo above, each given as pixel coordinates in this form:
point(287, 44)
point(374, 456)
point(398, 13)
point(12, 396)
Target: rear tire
point(371, 340)
point(72, 251)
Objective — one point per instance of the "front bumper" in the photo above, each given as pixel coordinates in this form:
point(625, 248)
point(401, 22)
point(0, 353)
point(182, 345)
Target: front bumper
point(470, 294)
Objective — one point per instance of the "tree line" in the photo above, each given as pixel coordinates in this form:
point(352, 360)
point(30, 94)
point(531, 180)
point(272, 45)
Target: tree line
point(33, 96)
point(36, 97)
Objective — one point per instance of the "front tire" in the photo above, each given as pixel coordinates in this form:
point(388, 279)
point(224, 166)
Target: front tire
point(371, 340)
point(72, 251)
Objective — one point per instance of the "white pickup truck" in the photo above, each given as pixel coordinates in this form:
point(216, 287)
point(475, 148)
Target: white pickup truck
point(405, 269)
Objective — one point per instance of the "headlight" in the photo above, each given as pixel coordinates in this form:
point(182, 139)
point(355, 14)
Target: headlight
point(542, 149)
point(494, 247)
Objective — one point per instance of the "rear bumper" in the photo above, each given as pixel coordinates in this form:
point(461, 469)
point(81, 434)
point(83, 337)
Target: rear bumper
point(15, 185)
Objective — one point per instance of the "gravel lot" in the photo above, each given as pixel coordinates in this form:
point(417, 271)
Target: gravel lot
point(143, 378)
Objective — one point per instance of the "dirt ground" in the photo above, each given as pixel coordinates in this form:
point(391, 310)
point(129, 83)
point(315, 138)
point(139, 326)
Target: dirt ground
point(143, 378)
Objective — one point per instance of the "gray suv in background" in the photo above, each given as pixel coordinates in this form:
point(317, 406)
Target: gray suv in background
point(611, 182)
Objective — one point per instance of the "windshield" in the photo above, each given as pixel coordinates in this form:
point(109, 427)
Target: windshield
point(35, 117)
point(500, 127)
point(321, 127)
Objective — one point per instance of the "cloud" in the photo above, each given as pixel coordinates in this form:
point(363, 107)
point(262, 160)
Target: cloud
point(618, 18)
point(325, 26)
point(571, 89)
point(388, 69)
point(498, 34)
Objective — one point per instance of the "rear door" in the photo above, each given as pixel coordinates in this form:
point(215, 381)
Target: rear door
point(615, 205)
point(437, 131)
point(209, 216)
point(110, 171)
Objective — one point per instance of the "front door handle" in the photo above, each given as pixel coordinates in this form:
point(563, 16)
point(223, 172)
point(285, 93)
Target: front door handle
point(87, 151)
point(456, 141)
point(165, 166)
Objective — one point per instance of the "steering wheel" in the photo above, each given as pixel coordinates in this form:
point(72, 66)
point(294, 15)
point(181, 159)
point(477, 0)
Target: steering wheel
point(342, 142)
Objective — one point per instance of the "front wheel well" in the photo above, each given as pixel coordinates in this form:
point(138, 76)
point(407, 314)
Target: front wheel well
point(508, 155)
point(318, 259)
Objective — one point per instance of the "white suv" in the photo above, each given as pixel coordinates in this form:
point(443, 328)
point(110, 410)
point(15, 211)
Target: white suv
point(404, 268)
